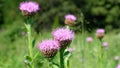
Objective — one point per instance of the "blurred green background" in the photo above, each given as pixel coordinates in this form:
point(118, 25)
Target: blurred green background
point(95, 14)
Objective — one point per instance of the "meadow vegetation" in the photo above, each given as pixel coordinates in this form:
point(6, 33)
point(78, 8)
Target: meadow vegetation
point(91, 15)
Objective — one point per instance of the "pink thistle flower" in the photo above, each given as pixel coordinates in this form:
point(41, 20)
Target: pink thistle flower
point(29, 7)
point(70, 16)
point(100, 30)
point(70, 50)
point(64, 36)
point(70, 19)
point(105, 44)
point(100, 33)
point(118, 66)
point(89, 39)
point(116, 58)
point(49, 48)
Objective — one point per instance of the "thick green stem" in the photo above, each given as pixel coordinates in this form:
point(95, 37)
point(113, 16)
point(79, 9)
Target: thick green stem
point(101, 54)
point(61, 58)
point(29, 41)
point(28, 27)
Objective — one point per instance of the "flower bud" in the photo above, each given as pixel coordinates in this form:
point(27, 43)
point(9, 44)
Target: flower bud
point(70, 50)
point(100, 33)
point(70, 19)
point(89, 39)
point(105, 45)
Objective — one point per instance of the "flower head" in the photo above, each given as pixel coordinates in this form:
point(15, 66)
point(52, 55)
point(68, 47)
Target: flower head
point(63, 35)
point(49, 48)
point(89, 39)
point(70, 19)
point(29, 7)
point(100, 33)
point(105, 44)
point(116, 58)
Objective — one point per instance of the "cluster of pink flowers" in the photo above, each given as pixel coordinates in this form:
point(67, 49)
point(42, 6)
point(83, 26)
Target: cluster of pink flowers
point(64, 37)
point(29, 7)
point(50, 47)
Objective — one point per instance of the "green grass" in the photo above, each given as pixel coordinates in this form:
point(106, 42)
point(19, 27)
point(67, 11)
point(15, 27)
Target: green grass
point(12, 52)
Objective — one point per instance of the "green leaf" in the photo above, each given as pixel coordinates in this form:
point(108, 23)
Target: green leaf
point(55, 64)
point(33, 43)
point(28, 58)
point(66, 53)
point(27, 63)
point(27, 26)
point(66, 60)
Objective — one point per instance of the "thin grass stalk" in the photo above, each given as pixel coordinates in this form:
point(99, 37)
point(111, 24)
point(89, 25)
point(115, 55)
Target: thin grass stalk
point(105, 58)
point(83, 40)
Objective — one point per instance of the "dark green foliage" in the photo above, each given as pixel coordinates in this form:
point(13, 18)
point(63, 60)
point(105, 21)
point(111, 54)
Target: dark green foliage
point(28, 60)
point(102, 13)
point(97, 14)
point(1, 12)
point(33, 43)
